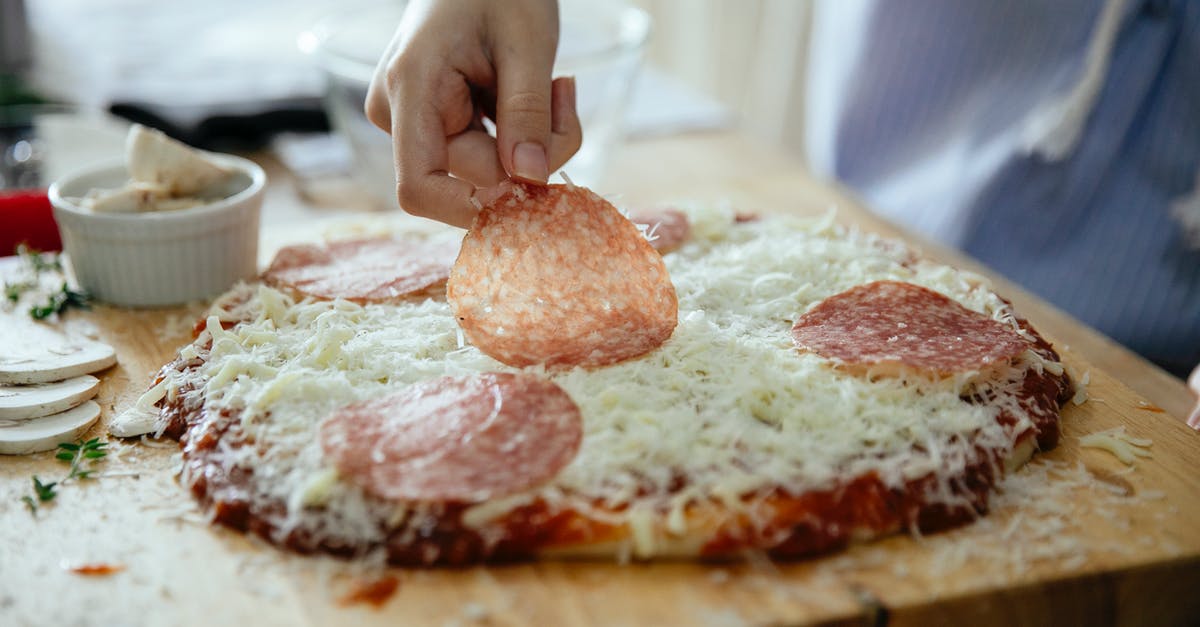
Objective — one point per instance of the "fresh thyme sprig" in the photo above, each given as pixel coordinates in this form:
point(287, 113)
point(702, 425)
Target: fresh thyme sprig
point(35, 265)
point(13, 291)
point(38, 261)
point(58, 301)
point(43, 491)
point(80, 456)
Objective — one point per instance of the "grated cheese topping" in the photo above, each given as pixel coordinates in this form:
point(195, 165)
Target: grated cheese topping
point(727, 403)
point(1122, 445)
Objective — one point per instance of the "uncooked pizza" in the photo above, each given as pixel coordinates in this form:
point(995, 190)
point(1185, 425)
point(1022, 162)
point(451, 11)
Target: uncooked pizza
point(692, 383)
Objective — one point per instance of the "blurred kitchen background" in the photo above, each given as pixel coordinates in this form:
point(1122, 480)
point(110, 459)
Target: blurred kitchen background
point(234, 75)
point(274, 77)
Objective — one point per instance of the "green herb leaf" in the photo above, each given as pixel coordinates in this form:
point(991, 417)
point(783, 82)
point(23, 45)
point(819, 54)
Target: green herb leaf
point(80, 455)
point(59, 301)
point(13, 291)
point(41, 312)
point(39, 262)
point(44, 491)
point(35, 265)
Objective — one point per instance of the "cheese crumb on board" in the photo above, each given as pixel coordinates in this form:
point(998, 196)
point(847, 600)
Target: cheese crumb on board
point(1121, 444)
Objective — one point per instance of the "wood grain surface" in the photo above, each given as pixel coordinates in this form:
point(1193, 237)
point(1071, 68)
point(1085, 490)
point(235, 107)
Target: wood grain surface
point(1077, 537)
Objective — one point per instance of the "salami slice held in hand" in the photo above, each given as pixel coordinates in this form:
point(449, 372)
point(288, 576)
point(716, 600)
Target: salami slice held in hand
point(555, 275)
point(460, 439)
point(897, 324)
point(378, 269)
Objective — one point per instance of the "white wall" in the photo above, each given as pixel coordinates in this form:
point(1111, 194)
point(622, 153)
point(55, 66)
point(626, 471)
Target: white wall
point(749, 54)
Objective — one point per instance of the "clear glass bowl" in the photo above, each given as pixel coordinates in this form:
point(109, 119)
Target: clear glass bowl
point(40, 142)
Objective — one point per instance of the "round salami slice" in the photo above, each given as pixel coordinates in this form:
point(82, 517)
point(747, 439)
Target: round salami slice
point(901, 324)
point(666, 229)
point(456, 439)
point(378, 269)
point(555, 275)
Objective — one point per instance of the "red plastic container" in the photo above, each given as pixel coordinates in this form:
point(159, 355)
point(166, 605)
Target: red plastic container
point(26, 218)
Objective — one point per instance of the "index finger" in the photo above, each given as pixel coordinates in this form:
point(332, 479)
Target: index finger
point(424, 186)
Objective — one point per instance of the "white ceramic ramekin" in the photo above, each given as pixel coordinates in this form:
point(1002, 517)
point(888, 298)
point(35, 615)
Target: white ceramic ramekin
point(160, 258)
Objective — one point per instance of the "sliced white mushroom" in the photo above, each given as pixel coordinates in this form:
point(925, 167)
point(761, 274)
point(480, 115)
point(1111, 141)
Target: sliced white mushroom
point(45, 433)
point(22, 402)
point(162, 162)
point(33, 352)
point(133, 198)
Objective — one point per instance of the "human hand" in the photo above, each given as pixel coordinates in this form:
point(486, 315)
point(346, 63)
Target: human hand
point(452, 63)
point(1194, 383)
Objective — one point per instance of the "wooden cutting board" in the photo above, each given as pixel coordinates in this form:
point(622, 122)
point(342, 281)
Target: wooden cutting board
point(1077, 537)
point(1124, 547)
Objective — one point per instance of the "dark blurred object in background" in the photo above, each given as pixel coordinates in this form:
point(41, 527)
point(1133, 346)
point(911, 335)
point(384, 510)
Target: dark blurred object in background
point(16, 54)
point(220, 74)
point(20, 149)
point(229, 133)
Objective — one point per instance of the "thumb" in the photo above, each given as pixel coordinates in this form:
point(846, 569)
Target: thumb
point(523, 105)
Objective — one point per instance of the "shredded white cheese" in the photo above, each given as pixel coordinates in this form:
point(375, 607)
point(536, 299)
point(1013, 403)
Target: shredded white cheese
point(1122, 445)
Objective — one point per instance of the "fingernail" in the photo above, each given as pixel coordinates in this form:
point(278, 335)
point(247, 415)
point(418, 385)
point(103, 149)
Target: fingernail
point(529, 162)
